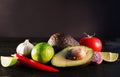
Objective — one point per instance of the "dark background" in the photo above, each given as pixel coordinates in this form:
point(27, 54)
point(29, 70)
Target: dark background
point(41, 18)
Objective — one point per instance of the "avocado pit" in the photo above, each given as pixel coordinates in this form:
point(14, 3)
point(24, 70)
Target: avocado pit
point(76, 54)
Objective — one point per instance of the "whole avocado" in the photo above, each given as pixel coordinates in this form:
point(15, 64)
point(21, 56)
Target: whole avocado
point(61, 40)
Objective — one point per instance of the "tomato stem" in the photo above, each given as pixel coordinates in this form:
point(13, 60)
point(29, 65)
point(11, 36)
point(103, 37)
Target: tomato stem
point(90, 36)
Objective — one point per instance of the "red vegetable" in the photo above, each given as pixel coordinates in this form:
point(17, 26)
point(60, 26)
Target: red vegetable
point(34, 64)
point(92, 42)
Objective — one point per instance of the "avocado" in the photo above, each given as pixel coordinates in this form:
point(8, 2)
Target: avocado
point(63, 59)
point(61, 40)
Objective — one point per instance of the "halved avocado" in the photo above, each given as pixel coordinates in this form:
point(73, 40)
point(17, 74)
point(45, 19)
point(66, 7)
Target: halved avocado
point(60, 60)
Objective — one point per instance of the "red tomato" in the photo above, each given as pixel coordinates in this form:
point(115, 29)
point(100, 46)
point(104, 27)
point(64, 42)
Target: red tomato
point(92, 42)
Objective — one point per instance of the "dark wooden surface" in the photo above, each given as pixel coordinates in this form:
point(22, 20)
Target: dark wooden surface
point(8, 46)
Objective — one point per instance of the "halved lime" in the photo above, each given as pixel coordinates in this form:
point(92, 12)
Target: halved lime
point(110, 56)
point(8, 61)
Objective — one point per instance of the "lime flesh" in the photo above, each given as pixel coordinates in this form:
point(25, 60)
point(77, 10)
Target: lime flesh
point(110, 56)
point(8, 61)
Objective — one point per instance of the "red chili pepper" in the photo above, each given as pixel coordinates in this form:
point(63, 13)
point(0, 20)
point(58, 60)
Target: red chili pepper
point(35, 64)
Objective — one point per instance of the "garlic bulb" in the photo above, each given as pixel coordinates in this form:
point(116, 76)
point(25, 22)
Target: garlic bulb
point(25, 48)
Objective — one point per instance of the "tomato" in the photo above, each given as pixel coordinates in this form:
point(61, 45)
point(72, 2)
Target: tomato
point(92, 42)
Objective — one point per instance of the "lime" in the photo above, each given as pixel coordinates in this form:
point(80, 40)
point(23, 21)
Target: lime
point(8, 61)
point(110, 56)
point(42, 52)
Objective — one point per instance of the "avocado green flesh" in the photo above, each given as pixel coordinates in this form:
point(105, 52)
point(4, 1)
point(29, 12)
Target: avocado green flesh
point(59, 60)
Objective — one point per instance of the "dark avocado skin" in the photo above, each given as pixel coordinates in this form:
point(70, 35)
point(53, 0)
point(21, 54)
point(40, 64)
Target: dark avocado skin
point(60, 41)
